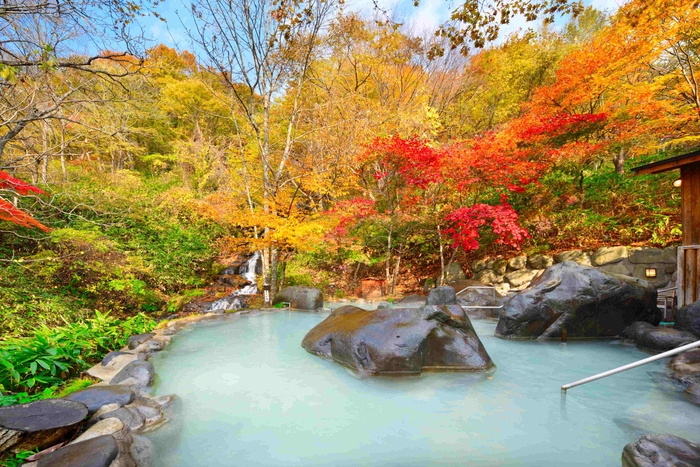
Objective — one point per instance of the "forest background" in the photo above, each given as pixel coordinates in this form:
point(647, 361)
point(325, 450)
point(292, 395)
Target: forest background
point(340, 145)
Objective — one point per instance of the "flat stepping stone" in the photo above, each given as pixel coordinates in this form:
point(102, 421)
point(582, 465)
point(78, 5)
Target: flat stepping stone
point(116, 363)
point(96, 396)
point(95, 452)
point(39, 424)
point(111, 356)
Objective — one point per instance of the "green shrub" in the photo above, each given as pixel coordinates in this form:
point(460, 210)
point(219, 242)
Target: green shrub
point(50, 356)
point(17, 459)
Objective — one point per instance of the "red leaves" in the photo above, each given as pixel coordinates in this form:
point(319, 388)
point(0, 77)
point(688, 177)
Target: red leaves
point(8, 212)
point(412, 159)
point(465, 224)
point(349, 212)
point(9, 182)
point(563, 123)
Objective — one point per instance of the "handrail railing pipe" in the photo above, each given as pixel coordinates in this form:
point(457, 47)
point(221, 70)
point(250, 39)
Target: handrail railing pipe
point(629, 366)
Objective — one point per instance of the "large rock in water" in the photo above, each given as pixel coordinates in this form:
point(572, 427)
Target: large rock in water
point(582, 300)
point(399, 340)
point(688, 318)
point(661, 451)
point(662, 339)
point(301, 298)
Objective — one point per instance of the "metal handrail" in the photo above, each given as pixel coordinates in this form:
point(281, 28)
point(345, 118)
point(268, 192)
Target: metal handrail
point(629, 366)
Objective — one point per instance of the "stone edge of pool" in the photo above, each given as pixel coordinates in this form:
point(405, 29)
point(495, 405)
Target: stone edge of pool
point(120, 409)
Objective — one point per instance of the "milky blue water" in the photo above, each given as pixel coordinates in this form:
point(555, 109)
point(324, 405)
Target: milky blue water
point(249, 395)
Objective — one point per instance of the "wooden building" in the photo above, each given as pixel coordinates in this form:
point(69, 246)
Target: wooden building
point(688, 282)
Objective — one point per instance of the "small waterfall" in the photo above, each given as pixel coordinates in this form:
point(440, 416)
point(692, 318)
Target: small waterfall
point(248, 272)
point(235, 300)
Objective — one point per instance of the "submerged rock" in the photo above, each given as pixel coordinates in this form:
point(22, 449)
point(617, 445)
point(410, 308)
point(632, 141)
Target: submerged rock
point(661, 451)
point(301, 298)
point(582, 300)
point(399, 340)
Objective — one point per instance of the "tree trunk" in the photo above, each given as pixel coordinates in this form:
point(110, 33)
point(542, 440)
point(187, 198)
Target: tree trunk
point(387, 265)
point(63, 153)
point(283, 273)
point(353, 283)
point(619, 161)
point(45, 152)
point(442, 258)
point(273, 270)
point(266, 268)
point(395, 277)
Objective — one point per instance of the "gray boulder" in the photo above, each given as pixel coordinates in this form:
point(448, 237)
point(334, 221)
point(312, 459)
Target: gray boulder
point(500, 266)
point(517, 263)
point(129, 416)
point(609, 254)
point(653, 255)
point(692, 393)
point(521, 277)
point(582, 300)
point(399, 340)
point(301, 298)
point(142, 373)
point(142, 451)
point(662, 339)
point(454, 273)
point(95, 397)
point(686, 366)
point(479, 265)
point(442, 296)
point(382, 305)
point(661, 451)
point(634, 330)
point(688, 319)
point(488, 277)
point(412, 301)
point(95, 452)
point(577, 256)
point(135, 341)
point(539, 261)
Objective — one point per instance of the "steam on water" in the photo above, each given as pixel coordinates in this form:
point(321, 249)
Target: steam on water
point(249, 395)
point(235, 300)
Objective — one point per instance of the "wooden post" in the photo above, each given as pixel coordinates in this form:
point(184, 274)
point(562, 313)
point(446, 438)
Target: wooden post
point(688, 261)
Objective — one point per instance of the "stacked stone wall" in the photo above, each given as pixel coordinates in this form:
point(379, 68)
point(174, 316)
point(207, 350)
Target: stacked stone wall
point(516, 273)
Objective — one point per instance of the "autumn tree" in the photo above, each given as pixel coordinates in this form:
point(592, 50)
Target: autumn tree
point(260, 49)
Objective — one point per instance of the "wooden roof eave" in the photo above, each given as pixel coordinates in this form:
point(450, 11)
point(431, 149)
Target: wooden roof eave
point(668, 164)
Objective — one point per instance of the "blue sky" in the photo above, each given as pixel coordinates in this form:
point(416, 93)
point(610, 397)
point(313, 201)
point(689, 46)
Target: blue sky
point(426, 17)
